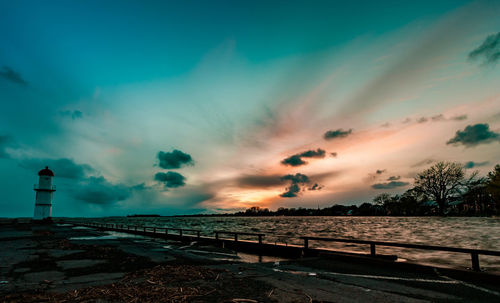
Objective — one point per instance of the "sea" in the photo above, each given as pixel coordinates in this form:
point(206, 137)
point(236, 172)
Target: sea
point(465, 232)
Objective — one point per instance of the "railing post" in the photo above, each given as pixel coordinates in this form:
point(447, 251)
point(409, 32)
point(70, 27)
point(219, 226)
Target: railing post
point(135, 228)
point(306, 243)
point(180, 232)
point(216, 236)
point(260, 239)
point(144, 228)
point(235, 237)
point(198, 234)
point(475, 261)
point(166, 231)
point(154, 230)
point(372, 249)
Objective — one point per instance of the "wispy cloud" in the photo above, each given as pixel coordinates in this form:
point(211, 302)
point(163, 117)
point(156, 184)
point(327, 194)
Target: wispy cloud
point(488, 51)
point(64, 167)
point(339, 133)
point(390, 185)
point(74, 114)
point(5, 142)
point(10, 75)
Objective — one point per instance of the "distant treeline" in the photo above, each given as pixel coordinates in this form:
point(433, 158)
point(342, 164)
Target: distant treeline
point(443, 189)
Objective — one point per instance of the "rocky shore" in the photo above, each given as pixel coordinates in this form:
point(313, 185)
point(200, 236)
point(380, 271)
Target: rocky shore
point(64, 263)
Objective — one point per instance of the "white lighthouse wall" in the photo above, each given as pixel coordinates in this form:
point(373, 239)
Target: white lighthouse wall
point(42, 212)
point(45, 182)
point(44, 197)
point(43, 200)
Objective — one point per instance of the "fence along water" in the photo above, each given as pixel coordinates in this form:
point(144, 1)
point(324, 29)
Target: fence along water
point(152, 231)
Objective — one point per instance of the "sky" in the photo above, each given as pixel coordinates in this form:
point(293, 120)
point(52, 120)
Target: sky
point(183, 107)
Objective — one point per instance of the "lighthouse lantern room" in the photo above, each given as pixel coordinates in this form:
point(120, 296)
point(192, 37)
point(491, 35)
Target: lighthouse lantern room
point(44, 191)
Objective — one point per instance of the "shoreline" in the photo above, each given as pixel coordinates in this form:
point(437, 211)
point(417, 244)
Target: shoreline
point(49, 262)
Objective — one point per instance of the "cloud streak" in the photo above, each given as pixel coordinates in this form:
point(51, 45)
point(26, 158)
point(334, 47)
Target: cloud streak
point(488, 51)
point(390, 185)
point(9, 74)
point(339, 133)
point(5, 142)
point(405, 75)
point(63, 167)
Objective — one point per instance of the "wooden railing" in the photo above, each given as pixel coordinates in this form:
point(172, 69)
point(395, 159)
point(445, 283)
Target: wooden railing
point(259, 235)
point(473, 252)
point(182, 232)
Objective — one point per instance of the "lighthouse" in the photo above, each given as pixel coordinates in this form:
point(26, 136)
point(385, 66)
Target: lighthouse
point(44, 190)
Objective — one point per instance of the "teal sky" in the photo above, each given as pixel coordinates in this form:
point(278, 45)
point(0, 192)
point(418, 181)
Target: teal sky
point(97, 89)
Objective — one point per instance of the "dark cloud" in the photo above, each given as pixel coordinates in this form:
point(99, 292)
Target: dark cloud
point(171, 179)
point(5, 141)
point(389, 185)
point(316, 186)
point(296, 160)
point(488, 51)
point(259, 181)
point(407, 120)
point(74, 114)
point(63, 167)
point(459, 118)
point(334, 155)
point(380, 171)
point(422, 120)
point(12, 76)
point(472, 164)
point(97, 190)
point(339, 133)
point(296, 181)
point(393, 178)
point(174, 159)
point(474, 135)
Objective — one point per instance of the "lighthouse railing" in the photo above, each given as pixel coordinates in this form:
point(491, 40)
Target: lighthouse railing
point(38, 187)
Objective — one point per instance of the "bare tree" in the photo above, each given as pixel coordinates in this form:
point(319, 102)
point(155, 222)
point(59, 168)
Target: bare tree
point(441, 181)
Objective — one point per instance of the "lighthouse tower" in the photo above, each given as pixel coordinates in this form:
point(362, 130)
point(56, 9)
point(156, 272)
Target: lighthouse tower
point(44, 190)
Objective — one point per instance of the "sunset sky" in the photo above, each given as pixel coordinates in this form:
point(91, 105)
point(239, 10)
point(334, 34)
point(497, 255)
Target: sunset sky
point(216, 106)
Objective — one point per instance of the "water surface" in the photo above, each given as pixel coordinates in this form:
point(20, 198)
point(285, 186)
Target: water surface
point(467, 232)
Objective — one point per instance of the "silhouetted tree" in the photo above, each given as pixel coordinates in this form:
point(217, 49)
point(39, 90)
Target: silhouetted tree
point(493, 187)
point(382, 199)
point(440, 182)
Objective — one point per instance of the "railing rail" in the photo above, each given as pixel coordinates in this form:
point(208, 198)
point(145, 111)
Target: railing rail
point(235, 234)
point(473, 252)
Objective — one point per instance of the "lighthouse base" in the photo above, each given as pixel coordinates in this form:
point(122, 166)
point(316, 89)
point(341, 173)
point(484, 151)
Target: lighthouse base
point(42, 211)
